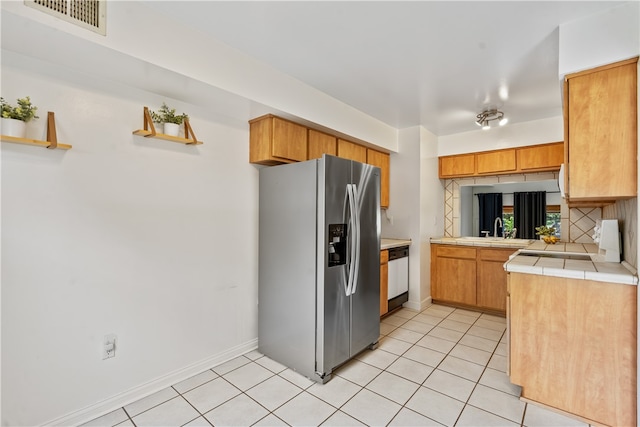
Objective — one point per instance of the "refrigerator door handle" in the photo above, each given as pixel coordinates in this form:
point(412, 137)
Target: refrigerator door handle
point(353, 238)
point(356, 215)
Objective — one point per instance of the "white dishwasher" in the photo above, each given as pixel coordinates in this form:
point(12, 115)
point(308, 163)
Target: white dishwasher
point(398, 276)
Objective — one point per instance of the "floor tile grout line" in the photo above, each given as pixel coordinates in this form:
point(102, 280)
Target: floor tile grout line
point(385, 370)
point(466, 403)
point(397, 356)
point(479, 378)
point(434, 368)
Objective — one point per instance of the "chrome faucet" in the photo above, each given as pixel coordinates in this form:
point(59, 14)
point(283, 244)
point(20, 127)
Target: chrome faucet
point(495, 226)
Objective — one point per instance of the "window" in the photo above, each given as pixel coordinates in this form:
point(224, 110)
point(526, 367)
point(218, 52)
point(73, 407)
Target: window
point(553, 218)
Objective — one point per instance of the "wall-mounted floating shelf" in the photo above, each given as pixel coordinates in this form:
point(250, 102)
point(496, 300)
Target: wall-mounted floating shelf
point(149, 131)
point(52, 139)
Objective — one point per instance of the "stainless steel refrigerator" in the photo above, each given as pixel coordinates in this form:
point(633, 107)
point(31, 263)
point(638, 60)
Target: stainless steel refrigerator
point(319, 263)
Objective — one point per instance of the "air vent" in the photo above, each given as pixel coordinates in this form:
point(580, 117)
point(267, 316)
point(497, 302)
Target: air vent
point(89, 14)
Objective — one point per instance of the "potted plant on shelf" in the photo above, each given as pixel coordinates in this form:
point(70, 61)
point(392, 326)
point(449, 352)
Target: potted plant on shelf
point(547, 234)
point(170, 120)
point(14, 118)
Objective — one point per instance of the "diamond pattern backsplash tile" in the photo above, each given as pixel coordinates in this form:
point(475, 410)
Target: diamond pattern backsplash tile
point(448, 207)
point(581, 223)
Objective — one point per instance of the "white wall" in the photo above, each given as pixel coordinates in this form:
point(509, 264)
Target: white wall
point(136, 30)
point(512, 135)
point(151, 240)
point(431, 207)
point(404, 182)
point(600, 39)
point(415, 206)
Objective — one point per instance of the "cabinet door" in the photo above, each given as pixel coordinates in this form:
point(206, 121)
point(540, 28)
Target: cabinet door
point(384, 282)
point(602, 132)
point(383, 161)
point(453, 274)
point(541, 157)
point(492, 278)
point(352, 151)
point(567, 333)
point(289, 140)
point(274, 141)
point(460, 165)
point(497, 161)
point(321, 143)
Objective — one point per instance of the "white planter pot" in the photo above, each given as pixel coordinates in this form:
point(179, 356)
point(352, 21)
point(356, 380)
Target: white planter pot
point(13, 127)
point(171, 129)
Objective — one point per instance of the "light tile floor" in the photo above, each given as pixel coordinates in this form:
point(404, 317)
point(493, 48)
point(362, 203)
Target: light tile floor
point(443, 366)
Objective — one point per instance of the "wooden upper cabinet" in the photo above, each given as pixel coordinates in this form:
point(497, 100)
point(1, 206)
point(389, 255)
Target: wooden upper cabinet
point(321, 143)
point(601, 125)
point(383, 161)
point(459, 165)
point(352, 151)
point(496, 161)
point(534, 158)
point(274, 140)
point(540, 157)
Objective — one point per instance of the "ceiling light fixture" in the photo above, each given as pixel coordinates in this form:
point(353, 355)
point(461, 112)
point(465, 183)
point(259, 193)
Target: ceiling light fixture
point(485, 118)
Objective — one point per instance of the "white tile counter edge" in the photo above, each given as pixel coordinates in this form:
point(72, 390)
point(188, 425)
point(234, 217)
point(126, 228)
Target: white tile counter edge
point(491, 243)
point(622, 273)
point(393, 243)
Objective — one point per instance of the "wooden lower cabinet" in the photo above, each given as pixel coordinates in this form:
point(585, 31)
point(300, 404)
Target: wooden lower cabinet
point(453, 274)
point(384, 282)
point(572, 346)
point(492, 279)
point(470, 276)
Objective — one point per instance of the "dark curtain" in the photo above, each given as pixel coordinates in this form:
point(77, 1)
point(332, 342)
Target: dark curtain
point(529, 212)
point(490, 205)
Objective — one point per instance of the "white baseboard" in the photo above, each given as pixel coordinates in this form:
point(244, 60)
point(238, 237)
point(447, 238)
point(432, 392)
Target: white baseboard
point(426, 303)
point(136, 393)
point(418, 306)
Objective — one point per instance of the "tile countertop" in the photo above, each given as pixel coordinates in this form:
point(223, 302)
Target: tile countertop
point(393, 243)
point(526, 261)
point(483, 241)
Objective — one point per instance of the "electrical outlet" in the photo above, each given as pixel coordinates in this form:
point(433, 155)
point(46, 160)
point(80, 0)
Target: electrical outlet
point(109, 346)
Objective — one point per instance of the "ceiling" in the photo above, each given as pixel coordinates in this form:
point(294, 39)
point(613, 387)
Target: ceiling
point(430, 63)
